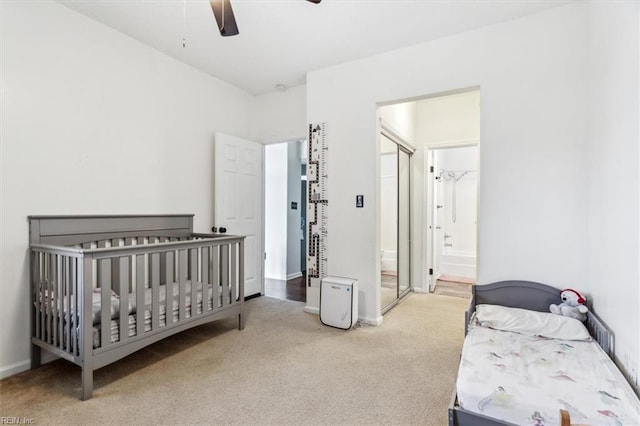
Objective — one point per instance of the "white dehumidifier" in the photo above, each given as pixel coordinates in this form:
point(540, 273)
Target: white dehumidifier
point(339, 302)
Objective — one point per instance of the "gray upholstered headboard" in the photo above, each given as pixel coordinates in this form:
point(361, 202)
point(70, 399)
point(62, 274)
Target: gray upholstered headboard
point(516, 294)
point(70, 230)
point(534, 297)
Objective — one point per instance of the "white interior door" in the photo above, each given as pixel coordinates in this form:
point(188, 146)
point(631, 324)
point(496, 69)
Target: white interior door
point(238, 200)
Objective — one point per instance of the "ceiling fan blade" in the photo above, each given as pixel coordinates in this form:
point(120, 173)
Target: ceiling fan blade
point(224, 17)
point(315, 1)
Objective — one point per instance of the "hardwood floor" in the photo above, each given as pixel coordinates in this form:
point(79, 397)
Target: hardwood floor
point(453, 288)
point(294, 289)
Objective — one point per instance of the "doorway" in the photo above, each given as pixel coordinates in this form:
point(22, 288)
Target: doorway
point(285, 214)
point(453, 199)
point(440, 121)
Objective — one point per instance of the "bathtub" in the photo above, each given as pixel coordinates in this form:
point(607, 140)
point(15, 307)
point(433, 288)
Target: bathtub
point(458, 263)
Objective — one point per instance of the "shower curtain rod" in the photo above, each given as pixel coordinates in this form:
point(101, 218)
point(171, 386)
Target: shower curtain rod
point(394, 136)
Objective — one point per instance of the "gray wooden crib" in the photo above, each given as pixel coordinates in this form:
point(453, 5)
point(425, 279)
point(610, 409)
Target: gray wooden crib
point(103, 287)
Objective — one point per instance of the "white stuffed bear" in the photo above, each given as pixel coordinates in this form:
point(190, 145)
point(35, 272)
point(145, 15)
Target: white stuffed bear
point(573, 305)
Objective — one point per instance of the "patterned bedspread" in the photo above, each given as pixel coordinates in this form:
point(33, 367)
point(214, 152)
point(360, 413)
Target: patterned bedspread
point(526, 380)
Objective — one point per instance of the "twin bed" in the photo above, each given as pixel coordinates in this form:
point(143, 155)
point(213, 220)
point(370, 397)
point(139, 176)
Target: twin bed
point(103, 287)
point(522, 365)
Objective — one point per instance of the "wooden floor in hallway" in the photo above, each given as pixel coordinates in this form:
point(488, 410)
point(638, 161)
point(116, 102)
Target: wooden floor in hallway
point(453, 288)
point(294, 289)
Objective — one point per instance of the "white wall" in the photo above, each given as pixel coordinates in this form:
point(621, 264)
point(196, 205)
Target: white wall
point(532, 80)
point(280, 116)
point(402, 117)
point(448, 119)
point(294, 232)
point(613, 179)
point(94, 122)
point(275, 194)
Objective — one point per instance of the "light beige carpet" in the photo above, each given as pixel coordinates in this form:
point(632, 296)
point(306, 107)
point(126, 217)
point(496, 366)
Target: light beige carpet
point(285, 367)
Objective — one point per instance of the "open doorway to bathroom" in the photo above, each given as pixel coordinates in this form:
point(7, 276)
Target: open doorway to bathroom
point(453, 180)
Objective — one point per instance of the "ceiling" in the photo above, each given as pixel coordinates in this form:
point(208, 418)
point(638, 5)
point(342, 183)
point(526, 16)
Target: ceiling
point(280, 40)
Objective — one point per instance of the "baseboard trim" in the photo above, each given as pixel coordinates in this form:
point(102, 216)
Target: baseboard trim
point(376, 322)
point(15, 368)
point(253, 296)
point(294, 275)
point(276, 278)
point(312, 310)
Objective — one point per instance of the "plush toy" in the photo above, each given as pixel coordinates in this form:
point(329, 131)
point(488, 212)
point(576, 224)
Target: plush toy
point(573, 305)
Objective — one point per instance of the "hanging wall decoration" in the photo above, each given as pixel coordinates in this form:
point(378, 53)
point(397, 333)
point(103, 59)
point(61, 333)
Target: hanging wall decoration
point(317, 204)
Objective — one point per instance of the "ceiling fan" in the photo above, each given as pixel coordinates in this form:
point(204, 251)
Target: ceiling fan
point(224, 16)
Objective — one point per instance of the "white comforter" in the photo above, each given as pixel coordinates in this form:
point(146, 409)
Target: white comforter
point(526, 380)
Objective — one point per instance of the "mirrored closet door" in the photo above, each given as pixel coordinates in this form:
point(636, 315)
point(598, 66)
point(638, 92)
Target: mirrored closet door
point(395, 253)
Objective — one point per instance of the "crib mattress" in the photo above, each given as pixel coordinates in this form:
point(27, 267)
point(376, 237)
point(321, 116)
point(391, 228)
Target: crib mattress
point(65, 313)
point(526, 380)
point(132, 322)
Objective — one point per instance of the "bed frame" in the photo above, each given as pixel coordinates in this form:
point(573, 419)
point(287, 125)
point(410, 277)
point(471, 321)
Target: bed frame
point(525, 295)
point(76, 260)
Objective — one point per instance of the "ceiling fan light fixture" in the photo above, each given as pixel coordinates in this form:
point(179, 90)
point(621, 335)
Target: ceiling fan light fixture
point(224, 17)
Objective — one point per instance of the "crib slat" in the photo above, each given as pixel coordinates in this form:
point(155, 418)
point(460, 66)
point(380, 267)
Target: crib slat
point(123, 291)
point(166, 268)
point(224, 273)
point(215, 276)
point(36, 292)
point(204, 271)
point(169, 286)
point(139, 294)
point(65, 316)
point(182, 279)
point(234, 266)
point(104, 274)
point(60, 303)
point(193, 276)
point(50, 297)
point(75, 312)
point(54, 299)
point(47, 298)
point(154, 266)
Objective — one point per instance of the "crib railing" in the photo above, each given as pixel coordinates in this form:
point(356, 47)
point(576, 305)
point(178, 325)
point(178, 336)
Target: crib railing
point(120, 276)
